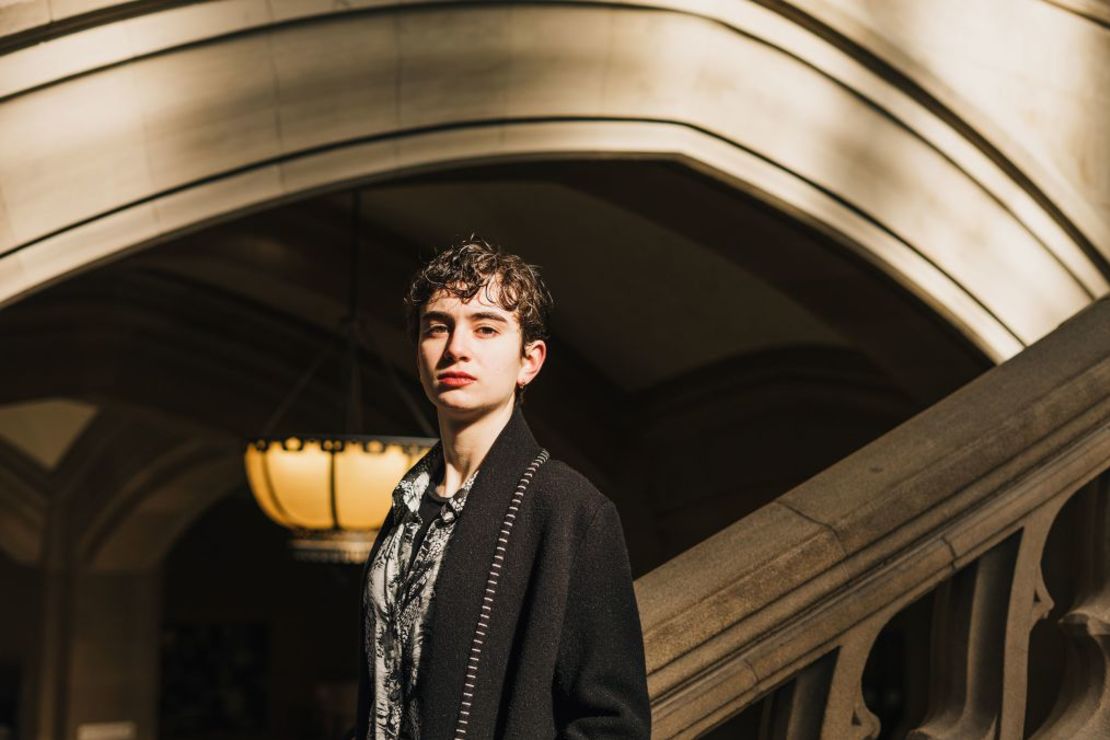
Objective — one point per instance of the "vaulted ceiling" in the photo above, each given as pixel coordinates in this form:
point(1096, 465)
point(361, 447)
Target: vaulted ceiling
point(673, 294)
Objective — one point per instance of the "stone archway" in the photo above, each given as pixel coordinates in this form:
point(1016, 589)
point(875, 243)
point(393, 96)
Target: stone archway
point(190, 123)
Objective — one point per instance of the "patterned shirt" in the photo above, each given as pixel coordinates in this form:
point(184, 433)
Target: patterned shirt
point(399, 599)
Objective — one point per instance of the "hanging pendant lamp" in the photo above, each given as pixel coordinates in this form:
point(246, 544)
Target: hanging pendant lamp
point(333, 491)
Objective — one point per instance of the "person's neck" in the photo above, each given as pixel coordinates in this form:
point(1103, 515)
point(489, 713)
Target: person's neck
point(465, 444)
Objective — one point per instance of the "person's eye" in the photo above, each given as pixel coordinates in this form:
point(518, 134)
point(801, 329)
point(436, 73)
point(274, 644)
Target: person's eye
point(487, 331)
point(433, 329)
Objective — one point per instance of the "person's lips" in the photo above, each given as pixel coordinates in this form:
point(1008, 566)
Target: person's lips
point(455, 379)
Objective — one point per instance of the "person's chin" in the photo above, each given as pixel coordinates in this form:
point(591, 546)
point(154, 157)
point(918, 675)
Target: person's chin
point(453, 402)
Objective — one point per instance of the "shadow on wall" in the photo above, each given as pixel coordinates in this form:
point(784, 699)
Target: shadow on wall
point(9, 699)
point(255, 645)
point(20, 594)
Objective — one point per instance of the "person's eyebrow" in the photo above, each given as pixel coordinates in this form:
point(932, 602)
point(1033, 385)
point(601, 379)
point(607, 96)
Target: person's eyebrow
point(436, 316)
point(487, 316)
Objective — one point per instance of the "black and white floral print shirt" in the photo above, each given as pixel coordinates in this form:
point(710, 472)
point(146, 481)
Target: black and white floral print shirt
point(399, 597)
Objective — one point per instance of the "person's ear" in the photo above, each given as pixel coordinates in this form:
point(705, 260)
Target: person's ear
point(531, 362)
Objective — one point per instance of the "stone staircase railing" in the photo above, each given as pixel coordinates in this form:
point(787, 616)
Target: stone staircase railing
point(785, 605)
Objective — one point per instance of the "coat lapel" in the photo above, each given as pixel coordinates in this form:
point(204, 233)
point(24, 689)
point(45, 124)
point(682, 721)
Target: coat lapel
point(462, 576)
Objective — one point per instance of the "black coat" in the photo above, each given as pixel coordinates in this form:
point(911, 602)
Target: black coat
point(564, 653)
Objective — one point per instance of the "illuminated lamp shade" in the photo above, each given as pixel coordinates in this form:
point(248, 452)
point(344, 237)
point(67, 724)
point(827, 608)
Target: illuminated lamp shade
point(332, 491)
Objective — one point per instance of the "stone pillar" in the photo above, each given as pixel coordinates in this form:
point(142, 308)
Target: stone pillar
point(99, 649)
point(114, 646)
point(49, 697)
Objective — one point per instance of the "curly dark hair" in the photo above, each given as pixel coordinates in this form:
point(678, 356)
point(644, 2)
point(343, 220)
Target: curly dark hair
point(472, 265)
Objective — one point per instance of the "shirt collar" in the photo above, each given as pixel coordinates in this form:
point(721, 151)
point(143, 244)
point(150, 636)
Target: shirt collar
point(456, 503)
point(428, 469)
point(411, 487)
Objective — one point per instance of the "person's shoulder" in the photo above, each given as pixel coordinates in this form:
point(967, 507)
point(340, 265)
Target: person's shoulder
point(567, 489)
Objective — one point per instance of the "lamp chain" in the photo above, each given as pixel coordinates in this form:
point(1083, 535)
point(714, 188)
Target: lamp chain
point(356, 339)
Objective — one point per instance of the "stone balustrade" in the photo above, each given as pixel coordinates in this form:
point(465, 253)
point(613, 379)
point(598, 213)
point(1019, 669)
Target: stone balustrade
point(956, 503)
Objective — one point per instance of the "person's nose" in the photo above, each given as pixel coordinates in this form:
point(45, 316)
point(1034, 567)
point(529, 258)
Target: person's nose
point(458, 348)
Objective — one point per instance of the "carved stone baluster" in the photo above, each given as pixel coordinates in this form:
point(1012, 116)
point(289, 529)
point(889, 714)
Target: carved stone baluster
point(1030, 602)
point(969, 636)
point(795, 711)
point(1082, 709)
point(825, 700)
point(846, 714)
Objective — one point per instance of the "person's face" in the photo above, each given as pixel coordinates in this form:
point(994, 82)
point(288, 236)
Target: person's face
point(469, 354)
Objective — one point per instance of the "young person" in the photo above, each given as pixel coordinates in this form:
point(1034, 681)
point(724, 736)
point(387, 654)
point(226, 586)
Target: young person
point(498, 598)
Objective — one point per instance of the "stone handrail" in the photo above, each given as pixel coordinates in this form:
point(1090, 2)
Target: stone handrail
point(800, 588)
